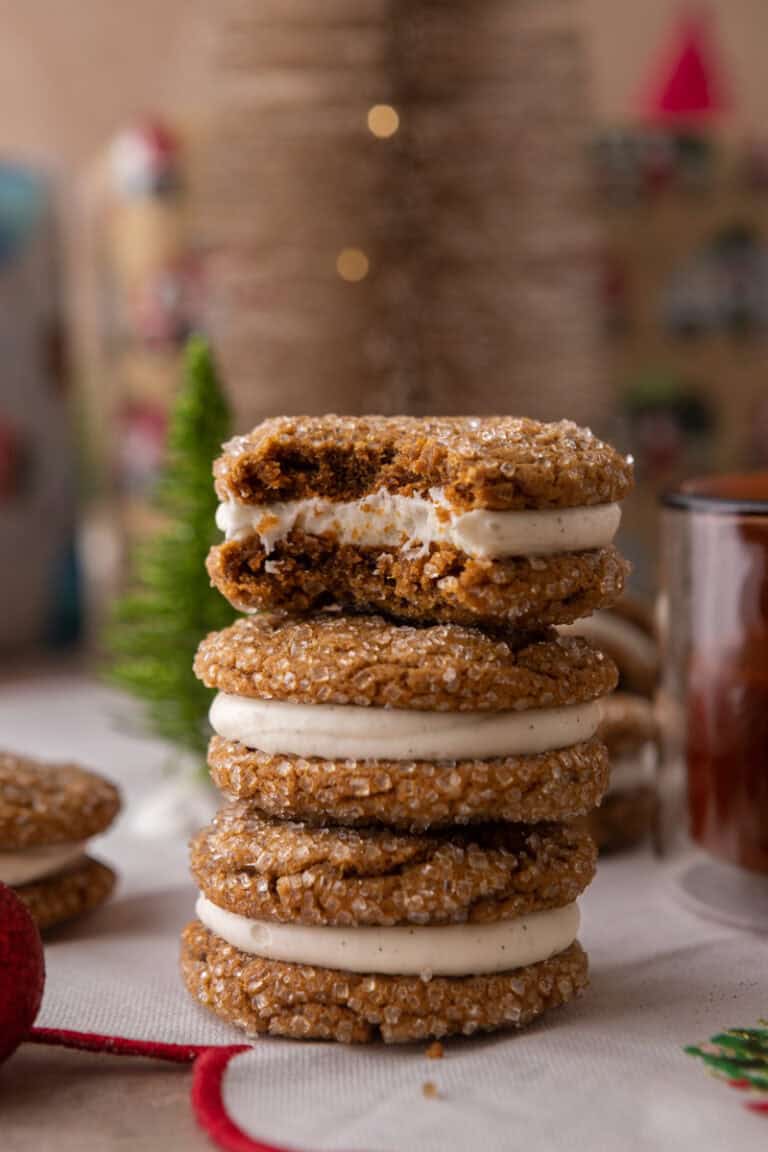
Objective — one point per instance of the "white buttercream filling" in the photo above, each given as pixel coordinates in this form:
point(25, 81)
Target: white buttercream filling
point(439, 950)
point(24, 865)
point(633, 771)
point(413, 523)
point(349, 732)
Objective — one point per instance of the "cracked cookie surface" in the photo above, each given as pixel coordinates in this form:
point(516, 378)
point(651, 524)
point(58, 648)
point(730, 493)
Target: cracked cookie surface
point(44, 804)
point(369, 661)
point(500, 462)
point(293, 873)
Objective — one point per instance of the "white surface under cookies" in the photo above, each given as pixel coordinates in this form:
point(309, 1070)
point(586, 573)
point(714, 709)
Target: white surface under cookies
point(606, 1073)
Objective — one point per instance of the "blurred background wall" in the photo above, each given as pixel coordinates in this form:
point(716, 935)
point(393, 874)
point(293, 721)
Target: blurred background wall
point(74, 71)
point(613, 159)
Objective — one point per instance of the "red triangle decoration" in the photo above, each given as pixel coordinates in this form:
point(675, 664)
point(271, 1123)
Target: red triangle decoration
point(689, 89)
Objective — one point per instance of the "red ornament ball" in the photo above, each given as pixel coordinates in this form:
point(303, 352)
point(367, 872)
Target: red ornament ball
point(22, 971)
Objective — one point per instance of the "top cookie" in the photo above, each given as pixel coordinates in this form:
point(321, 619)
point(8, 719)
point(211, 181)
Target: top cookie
point(43, 804)
point(495, 462)
point(329, 658)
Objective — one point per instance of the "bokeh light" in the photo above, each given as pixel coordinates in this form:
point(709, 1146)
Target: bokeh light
point(383, 120)
point(352, 264)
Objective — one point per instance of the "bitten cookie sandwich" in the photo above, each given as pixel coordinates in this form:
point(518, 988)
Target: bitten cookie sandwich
point(408, 748)
point(358, 719)
point(48, 812)
point(491, 521)
point(355, 934)
point(630, 732)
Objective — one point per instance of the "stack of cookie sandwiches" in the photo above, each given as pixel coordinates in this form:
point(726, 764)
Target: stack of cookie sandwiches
point(48, 812)
point(403, 738)
point(629, 727)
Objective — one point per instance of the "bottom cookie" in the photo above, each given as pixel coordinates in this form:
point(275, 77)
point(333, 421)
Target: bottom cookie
point(65, 895)
point(312, 1003)
point(623, 820)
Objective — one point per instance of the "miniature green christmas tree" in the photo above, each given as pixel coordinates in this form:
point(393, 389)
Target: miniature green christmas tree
point(740, 1055)
point(158, 624)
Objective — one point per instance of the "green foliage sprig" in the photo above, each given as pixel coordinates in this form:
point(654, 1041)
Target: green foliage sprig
point(157, 625)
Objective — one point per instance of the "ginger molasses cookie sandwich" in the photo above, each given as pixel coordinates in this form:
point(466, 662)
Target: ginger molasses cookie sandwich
point(493, 521)
point(359, 934)
point(48, 812)
point(625, 632)
point(628, 810)
point(408, 748)
point(359, 719)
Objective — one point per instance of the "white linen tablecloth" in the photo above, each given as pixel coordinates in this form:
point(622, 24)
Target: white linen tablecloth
point(607, 1073)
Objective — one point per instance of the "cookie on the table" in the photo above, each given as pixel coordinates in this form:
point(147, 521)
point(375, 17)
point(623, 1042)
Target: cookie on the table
point(351, 934)
point(48, 812)
point(65, 895)
point(625, 632)
point(487, 521)
point(357, 719)
point(51, 803)
point(628, 810)
point(302, 1001)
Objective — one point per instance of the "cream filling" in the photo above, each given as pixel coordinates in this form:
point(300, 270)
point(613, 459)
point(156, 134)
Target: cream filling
point(633, 771)
point(413, 523)
point(24, 865)
point(439, 950)
point(349, 732)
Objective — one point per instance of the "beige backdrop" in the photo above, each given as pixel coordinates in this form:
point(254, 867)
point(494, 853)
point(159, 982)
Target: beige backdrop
point(74, 71)
point(71, 71)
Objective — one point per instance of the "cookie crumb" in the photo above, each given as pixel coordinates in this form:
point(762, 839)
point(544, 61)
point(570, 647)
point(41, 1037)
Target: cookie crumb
point(435, 1051)
point(430, 1090)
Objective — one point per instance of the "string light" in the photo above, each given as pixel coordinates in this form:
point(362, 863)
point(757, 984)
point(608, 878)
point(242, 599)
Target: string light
point(383, 120)
point(352, 264)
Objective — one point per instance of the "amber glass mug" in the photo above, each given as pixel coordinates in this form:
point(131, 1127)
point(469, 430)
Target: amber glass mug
point(714, 694)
